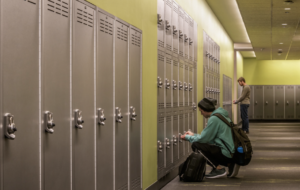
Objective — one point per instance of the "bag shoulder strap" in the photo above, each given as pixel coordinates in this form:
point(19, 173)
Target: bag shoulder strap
point(223, 119)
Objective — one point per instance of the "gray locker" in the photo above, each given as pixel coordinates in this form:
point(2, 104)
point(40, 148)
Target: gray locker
point(268, 102)
point(191, 39)
point(297, 103)
point(181, 83)
point(279, 102)
point(289, 102)
point(20, 94)
point(195, 42)
point(186, 85)
point(56, 83)
point(175, 30)
point(191, 85)
point(186, 128)
point(135, 82)
point(175, 138)
point(160, 25)
point(168, 141)
point(121, 104)
point(160, 80)
point(83, 104)
point(104, 100)
point(250, 110)
point(160, 145)
point(258, 102)
point(168, 81)
point(181, 132)
point(186, 35)
point(168, 24)
point(191, 127)
point(180, 32)
point(195, 100)
point(175, 84)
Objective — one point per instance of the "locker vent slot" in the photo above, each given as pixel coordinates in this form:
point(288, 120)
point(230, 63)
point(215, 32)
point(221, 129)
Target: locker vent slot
point(136, 183)
point(175, 63)
point(175, 50)
point(161, 120)
point(168, 60)
point(106, 27)
point(57, 8)
point(168, 105)
point(168, 119)
point(175, 117)
point(160, 57)
point(169, 3)
point(84, 19)
point(161, 105)
point(181, 53)
point(181, 104)
point(175, 104)
point(161, 43)
point(135, 40)
point(32, 2)
point(176, 10)
point(124, 187)
point(122, 34)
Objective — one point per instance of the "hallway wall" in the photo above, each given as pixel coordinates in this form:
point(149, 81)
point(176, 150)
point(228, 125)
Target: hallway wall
point(268, 72)
point(143, 14)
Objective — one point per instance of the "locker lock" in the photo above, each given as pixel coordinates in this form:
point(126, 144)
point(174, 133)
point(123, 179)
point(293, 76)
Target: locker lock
point(297, 102)
point(185, 38)
point(48, 122)
point(207, 54)
point(180, 34)
point(159, 82)
point(267, 103)
point(9, 126)
point(207, 89)
point(133, 115)
point(219, 62)
point(190, 41)
point(168, 26)
point(287, 102)
point(159, 146)
point(159, 19)
point(255, 102)
point(168, 145)
point(276, 102)
point(174, 85)
point(167, 83)
point(118, 115)
point(174, 140)
point(174, 30)
point(180, 85)
point(190, 87)
point(185, 86)
point(212, 57)
point(78, 119)
point(101, 116)
point(179, 137)
point(194, 106)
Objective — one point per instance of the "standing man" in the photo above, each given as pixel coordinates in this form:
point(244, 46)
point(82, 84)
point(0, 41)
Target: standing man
point(245, 102)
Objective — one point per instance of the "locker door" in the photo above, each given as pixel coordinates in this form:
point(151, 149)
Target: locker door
point(195, 100)
point(181, 83)
point(279, 102)
point(297, 103)
point(250, 110)
point(135, 108)
point(268, 102)
point(168, 80)
point(186, 85)
point(20, 94)
point(56, 59)
point(181, 132)
point(104, 100)
point(168, 24)
point(168, 141)
point(175, 84)
point(258, 102)
point(160, 24)
point(121, 105)
point(196, 42)
point(160, 80)
point(160, 145)
point(186, 35)
point(191, 39)
point(289, 102)
point(175, 138)
point(191, 85)
point(186, 128)
point(83, 103)
point(175, 29)
point(180, 33)
point(191, 127)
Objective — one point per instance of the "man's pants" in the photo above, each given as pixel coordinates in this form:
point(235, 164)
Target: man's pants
point(213, 154)
point(244, 116)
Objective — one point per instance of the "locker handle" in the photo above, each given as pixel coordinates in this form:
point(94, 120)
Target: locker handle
point(190, 87)
point(118, 115)
point(185, 86)
point(174, 85)
point(194, 106)
point(298, 102)
point(168, 26)
point(185, 38)
point(207, 54)
point(101, 116)
point(180, 85)
point(133, 115)
point(167, 83)
point(48, 122)
point(287, 102)
point(190, 41)
point(180, 34)
point(159, 19)
point(9, 126)
point(168, 145)
point(174, 30)
point(159, 82)
point(78, 119)
point(276, 102)
point(174, 140)
point(159, 147)
point(179, 136)
point(266, 102)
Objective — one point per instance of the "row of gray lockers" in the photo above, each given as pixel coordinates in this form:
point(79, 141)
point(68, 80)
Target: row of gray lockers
point(76, 67)
point(227, 95)
point(274, 102)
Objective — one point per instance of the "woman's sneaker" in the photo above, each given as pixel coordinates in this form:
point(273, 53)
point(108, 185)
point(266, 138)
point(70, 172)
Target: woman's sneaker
point(216, 173)
point(233, 170)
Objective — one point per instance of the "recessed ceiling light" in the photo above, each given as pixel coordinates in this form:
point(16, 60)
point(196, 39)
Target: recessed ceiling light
point(281, 43)
point(279, 49)
point(287, 9)
point(284, 24)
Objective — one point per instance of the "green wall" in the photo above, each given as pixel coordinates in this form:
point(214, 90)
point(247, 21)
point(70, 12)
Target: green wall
point(270, 72)
point(143, 15)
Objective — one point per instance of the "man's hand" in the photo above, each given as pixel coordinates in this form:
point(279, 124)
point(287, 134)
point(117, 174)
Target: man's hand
point(189, 133)
point(183, 137)
point(233, 101)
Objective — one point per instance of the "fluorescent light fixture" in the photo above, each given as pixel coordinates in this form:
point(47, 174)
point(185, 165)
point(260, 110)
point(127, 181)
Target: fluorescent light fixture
point(280, 49)
point(281, 43)
point(287, 9)
point(284, 24)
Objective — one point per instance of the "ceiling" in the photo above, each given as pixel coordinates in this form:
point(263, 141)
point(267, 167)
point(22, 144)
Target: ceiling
point(264, 19)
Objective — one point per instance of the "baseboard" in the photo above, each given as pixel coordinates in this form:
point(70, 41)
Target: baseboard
point(274, 120)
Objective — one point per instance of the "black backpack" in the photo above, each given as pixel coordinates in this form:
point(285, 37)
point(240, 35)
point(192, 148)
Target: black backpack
point(193, 169)
point(239, 139)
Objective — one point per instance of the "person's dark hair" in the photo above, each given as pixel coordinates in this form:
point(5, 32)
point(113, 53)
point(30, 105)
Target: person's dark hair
point(241, 79)
point(207, 104)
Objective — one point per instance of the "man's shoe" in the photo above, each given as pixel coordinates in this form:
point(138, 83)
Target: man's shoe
point(215, 173)
point(233, 170)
